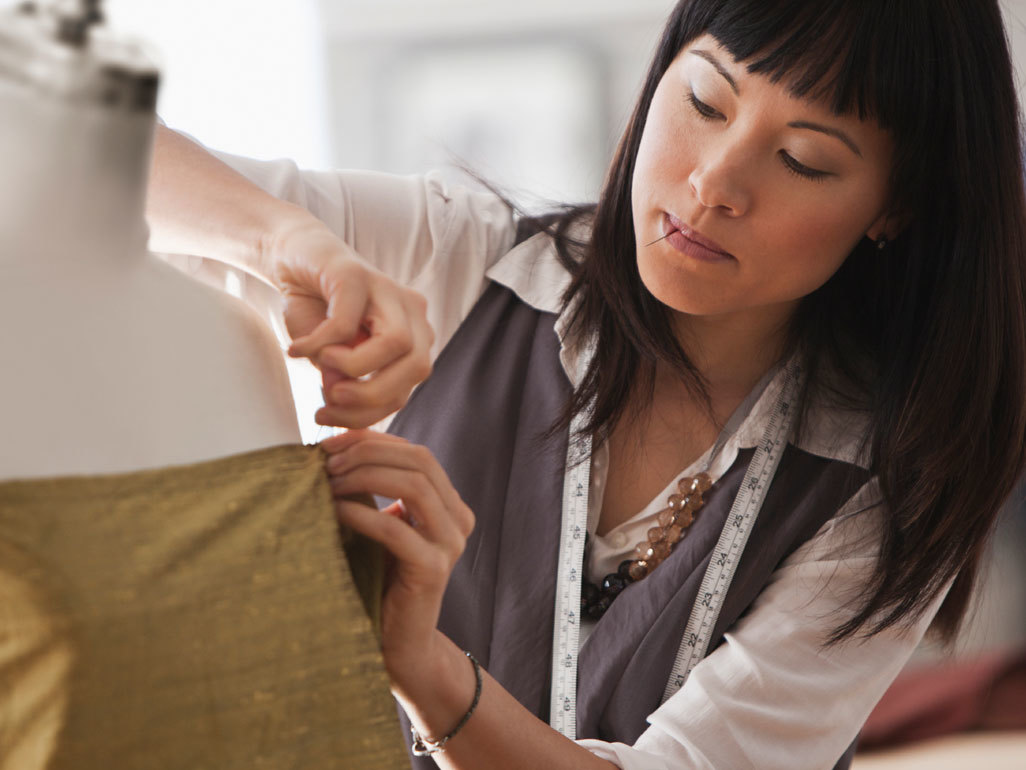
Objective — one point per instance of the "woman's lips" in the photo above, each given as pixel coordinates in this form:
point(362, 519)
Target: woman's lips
point(691, 242)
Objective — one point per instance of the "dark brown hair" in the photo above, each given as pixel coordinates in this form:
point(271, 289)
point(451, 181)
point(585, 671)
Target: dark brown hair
point(929, 337)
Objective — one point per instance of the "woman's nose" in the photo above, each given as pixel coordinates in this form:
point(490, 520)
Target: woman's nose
point(718, 181)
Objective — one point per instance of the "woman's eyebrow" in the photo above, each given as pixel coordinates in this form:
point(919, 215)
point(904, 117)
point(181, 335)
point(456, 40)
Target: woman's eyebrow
point(719, 67)
point(834, 132)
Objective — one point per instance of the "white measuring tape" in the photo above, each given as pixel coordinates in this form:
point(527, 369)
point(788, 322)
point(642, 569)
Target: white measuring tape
point(718, 576)
point(727, 554)
point(566, 631)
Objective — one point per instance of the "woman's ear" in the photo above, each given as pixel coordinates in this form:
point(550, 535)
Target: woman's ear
point(887, 227)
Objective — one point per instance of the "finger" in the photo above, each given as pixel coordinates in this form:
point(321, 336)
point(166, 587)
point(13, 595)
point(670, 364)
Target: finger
point(339, 328)
point(388, 388)
point(398, 510)
point(383, 393)
point(369, 403)
point(423, 495)
point(391, 452)
point(345, 290)
point(390, 338)
point(303, 314)
point(419, 495)
point(388, 450)
point(357, 417)
point(404, 542)
point(329, 378)
point(324, 357)
point(342, 441)
point(370, 451)
point(358, 414)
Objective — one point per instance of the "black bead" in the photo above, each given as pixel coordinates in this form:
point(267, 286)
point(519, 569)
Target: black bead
point(613, 585)
point(624, 570)
point(598, 609)
point(589, 593)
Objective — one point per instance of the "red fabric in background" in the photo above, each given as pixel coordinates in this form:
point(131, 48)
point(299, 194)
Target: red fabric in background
point(987, 693)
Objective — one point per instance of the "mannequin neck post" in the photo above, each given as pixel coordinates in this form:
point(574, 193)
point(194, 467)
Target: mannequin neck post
point(74, 182)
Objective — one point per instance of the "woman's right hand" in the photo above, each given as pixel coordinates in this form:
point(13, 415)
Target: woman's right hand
point(368, 335)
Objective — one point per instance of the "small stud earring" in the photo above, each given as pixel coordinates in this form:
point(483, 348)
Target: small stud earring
point(881, 243)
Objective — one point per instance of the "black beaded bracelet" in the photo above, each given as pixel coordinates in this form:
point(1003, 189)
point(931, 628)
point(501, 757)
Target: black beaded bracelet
point(425, 747)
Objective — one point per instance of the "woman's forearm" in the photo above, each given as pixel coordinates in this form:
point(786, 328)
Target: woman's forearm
point(501, 733)
point(198, 205)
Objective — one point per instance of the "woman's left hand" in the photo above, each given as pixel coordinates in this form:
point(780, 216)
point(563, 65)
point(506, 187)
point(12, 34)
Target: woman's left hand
point(425, 532)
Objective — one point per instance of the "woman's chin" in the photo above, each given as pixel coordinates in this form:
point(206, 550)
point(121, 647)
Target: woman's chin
point(674, 286)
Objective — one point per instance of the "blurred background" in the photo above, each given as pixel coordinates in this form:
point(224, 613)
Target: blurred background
point(532, 95)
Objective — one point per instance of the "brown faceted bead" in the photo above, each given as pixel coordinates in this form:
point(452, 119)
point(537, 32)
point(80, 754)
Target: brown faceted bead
point(700, 484)
point(643, 551)
point(638, 570)
point(673, 520)
point(674, 533)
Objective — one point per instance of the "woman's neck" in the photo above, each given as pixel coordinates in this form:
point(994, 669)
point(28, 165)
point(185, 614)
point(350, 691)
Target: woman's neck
point(733, 352)
point(73, 189)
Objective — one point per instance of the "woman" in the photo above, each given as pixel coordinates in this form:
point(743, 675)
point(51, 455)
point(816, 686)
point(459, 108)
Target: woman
point(803, 279)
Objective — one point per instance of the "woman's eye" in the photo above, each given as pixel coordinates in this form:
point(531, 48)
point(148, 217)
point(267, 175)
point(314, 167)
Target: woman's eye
point(800, 169)
point(703, 109)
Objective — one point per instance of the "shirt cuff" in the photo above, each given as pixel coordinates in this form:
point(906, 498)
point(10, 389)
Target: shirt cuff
point(626, 757)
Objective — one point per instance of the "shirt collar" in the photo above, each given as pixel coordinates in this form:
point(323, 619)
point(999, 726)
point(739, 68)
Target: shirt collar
point(532, 270)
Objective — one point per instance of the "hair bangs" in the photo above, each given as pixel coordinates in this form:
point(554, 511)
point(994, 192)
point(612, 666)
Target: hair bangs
point(837, 52)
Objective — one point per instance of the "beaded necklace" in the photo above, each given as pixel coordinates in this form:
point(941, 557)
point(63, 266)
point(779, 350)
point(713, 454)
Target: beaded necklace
point(674, 521)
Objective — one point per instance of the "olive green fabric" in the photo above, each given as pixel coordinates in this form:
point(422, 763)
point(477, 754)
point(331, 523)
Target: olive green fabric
point(192, 617)
point(366, 561)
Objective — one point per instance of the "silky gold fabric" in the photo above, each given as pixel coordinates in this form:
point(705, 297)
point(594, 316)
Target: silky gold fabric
point(188, 618)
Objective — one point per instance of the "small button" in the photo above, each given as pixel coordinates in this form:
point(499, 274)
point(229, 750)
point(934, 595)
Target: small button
point(618, 540)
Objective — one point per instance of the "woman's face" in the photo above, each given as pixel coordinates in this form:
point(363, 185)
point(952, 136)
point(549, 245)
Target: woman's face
point(763, 195)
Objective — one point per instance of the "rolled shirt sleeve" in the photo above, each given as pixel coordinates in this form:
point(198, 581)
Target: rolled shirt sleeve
point(773, 695)
point(424, 233)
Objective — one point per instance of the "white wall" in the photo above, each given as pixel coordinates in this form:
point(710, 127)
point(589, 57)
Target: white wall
point(242, 75)
point(1015, 24)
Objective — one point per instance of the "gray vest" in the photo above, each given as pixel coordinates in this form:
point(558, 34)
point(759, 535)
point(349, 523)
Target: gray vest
point(495, 390)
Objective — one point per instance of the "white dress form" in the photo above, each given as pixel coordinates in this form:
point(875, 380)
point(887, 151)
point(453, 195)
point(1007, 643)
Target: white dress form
point(113, 360)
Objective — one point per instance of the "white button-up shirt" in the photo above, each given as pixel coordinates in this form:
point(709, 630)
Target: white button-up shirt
point(772, 695)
